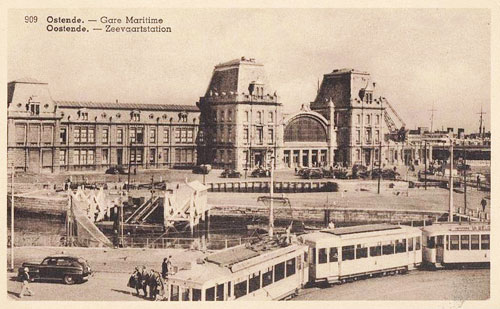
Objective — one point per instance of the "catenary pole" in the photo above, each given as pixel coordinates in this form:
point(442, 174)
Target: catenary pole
point(12, 219)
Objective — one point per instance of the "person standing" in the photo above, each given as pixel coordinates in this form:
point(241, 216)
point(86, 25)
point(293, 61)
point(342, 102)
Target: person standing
point(144, 280)
point(164, 268)
point(25, 278)
point(483, 204)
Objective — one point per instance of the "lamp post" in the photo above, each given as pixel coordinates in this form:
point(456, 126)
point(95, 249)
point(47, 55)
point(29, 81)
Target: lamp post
point(12, 219)
point(450, 219)
point(271, 191)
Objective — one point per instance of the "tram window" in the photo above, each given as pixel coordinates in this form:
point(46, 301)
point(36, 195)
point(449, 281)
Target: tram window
point(410, 244)
point(229, 289)
point(196, 295)
point(240, 289)
point(361, 252)
point(347, 253)
point(417, 243)
point(485, 242)
point(375, 251)
point(267, 277)
point(290, 267)
point(464, 242)
point(431, 242)
point(474, 242)
point(322, 256)
point(174, 294)
point(305, 257)
point(401, 245)
point(454, 242)
point(185, 294)
point(279, 271)
point(388, 249)
point(334, 255)
point(254, 282)
point(210, 294)
point(313, 256)
point(220, 292)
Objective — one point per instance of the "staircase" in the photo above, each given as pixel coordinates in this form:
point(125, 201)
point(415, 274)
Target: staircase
point(144, 211)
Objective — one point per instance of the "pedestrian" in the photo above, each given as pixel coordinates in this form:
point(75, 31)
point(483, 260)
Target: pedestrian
point(478, 182)
point(483, 203)
point(25, 278)
point(331, 225)
point(169, 265)
point(164, 268)
point(144, 280)
point(135, 280)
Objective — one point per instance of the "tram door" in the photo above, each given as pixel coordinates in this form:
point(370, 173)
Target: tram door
point(439, 248)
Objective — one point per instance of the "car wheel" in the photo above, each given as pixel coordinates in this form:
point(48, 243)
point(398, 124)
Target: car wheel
point(68, 279)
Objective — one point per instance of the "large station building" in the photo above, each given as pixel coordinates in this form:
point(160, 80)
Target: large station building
point(238, 123)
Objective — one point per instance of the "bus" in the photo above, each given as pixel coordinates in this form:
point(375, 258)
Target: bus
point(456, 244)
point(348, 253)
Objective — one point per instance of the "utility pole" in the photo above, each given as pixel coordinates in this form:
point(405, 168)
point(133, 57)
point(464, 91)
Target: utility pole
point(450, 219)
point(271, 191)
point(465, 179)
point(129, 162)
point(432, 115)
point(425, 165)
point(12, 219)
point(380, 149)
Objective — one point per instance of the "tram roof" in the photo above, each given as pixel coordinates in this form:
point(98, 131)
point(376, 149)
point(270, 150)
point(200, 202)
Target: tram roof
point(457, 227)
point(357, 231)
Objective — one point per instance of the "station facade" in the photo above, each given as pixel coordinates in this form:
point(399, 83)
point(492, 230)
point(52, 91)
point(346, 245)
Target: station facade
point(238, 123)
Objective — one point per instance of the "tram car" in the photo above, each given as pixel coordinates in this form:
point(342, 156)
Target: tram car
point(456, 244)
point(265, 271)
point(348, 253)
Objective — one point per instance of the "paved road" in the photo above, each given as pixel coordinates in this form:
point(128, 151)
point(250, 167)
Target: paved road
point(469, 284)
point(417, 285)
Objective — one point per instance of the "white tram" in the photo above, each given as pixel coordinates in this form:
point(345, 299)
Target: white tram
point(456, 243)
point(347, 253)
point(259, 272)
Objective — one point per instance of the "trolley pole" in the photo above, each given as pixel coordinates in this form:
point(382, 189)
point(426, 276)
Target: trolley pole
point(12, 219)
point(450, 219)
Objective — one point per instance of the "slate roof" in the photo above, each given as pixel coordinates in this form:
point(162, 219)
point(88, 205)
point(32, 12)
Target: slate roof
point(138, 106)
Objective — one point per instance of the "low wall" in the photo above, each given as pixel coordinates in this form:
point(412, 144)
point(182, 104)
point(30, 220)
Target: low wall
point(279, 186)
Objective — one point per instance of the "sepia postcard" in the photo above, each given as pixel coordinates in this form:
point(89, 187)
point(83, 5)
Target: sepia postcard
point(196, 152)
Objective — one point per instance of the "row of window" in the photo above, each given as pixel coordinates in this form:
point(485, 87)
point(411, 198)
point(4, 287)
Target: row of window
point(368, 136)
point(460, 242)
point(258, 116)
point(361, 251)
point(83, 135)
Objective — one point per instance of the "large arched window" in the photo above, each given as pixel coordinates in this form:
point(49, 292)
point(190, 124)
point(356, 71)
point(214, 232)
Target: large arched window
point(305, 129)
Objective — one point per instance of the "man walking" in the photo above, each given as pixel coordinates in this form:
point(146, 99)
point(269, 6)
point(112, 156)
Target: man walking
point(483, 204)
point(25, 278)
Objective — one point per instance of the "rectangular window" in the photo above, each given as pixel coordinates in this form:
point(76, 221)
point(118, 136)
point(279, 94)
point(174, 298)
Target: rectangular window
point(410, 244)
point(454, 242)
point(388, 249)
point(347, 253)
point(313, 255)
point(152, 155)
point(279, 271)
point(485, 242)
point(76, 135)
point(196, 295)
point(358, 136)
point(152, 136)
point(240, 289)
point(83, 157)
point(62, 157)
point(174, 292)
point(464, 242)
point(132, 134)
point(290, 267)
point(229, 134)
point(401, 245)
point(270, 117)
point(119, 136)
point(245, 135)
point(334, 255)
point(47, 134)
point(220, 292)
point(322, 256)
point(190, 135)
point(105, 156)
point(358, 119)
point(178, 135)
point(270, 136)
point(229, 115)
point(254, 282)
point(361, 252)
point(140, 136)
point(417, 243)
point(260, 135)
point(83, 135)
point(76, 157)
point(267, 277)
point(377, 136)
point(105, 135)
point(21, 134)
point(90, 157)
point(183, 135)
point(229, 289)
point(185, 294)
point(474, 242)
point(91, 135)
point(210, 294)
point(166, 135)
point(376, 250)
point(62, 136)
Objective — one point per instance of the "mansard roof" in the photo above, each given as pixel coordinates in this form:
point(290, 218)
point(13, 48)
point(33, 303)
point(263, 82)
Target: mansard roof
point(131, 106)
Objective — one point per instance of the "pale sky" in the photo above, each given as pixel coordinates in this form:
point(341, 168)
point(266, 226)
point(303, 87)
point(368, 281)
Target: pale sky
point(418, 57)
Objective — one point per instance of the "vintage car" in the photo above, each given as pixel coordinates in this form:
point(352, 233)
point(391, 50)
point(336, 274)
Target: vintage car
point(69, 269)
point(230, 173)
point(261, 172)
point(311, 173)
point(115, 170)
point(202, 169)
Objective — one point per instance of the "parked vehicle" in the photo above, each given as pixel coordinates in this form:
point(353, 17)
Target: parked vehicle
point(115, 170)
point(230, 173)
point(316, 173)
point(385, 174)
point(202, 169)
point(260, 172)
point(69, 269)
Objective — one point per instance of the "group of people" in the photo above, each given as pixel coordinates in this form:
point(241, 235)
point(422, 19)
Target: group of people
point(150, 281)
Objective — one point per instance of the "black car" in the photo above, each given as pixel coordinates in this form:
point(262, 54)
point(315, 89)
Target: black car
point(311, 173)
point(115, 170)
point(69, 269)
point(230, 173)
point(260, 172)
point(202, 169)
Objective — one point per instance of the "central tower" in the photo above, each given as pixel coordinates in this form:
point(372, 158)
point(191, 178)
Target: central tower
point(240, 118)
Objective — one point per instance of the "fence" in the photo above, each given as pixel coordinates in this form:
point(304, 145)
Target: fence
point(279, 186)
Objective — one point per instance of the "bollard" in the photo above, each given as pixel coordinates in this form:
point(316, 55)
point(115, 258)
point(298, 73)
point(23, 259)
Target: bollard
point(225, 243)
